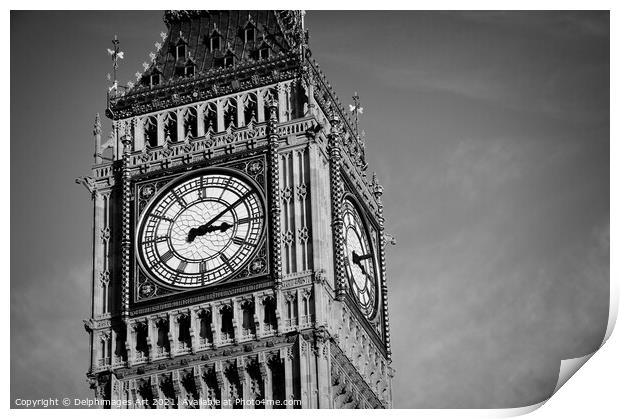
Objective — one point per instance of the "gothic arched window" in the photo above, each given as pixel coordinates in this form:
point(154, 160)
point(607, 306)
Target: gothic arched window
point(190, 70)
point(205, 333)
point(269, 314)
point(210, 117)
point(184, 335)
point(247, 323)
point(230, 113)
point(263, 53)
point(250, 108)
point(163, 344)
point(190, 122)
point(181, 49)
point(249, 33)
point(150, 131)
point(228, 331)
point(214, 41)
point(170, 127)
point(155, 79)
point(229, 60)
point(141, 345)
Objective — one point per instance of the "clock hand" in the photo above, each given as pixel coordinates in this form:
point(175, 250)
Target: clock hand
point(357, 259)
point(205, 228)
point(202, 230)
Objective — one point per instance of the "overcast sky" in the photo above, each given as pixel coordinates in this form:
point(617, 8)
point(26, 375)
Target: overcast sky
point(489, 131)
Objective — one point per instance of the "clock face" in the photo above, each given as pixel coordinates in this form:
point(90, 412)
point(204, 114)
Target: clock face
point(201, 230)
point(359, 259)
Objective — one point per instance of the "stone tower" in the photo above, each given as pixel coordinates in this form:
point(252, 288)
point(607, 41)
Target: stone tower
point(238, 246)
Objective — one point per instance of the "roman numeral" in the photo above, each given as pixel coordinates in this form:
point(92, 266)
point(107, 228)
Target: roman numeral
point(161, 217)
point(155, 240)
point(240, 242)
point(248, 219)
point(226, 261)
point(179, 199)
point(203, 267)
point(166, 256)
point(182, 266)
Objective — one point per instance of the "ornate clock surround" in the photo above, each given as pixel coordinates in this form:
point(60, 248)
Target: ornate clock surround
point(369, 232)
point(375, 324)
point(147, 295)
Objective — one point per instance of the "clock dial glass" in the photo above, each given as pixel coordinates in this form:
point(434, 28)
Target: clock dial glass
point(201, 230)
point(359, 259)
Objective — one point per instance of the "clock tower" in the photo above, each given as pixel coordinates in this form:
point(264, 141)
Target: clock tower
point(238, 241)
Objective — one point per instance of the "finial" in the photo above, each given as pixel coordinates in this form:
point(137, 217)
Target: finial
point(334, 119)
point(152, 56)
point(127, 142)
point(115, 53)
point(138, 75)
point(377, 189)
point(97, 125)
point(356, 110)
point(157, 46)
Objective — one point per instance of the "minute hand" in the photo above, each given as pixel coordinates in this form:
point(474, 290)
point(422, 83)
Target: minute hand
point(203, 229)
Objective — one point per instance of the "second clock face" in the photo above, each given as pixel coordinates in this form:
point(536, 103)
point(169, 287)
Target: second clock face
point(201, 230)
point(359, 259)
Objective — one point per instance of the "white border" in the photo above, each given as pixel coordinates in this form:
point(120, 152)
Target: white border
point(592, 393)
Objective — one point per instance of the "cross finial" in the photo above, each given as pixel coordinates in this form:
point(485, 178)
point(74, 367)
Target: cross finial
point(116, 54)
point(356, 110)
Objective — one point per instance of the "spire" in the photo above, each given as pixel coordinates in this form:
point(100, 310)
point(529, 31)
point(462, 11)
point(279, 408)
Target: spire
point(116, 54)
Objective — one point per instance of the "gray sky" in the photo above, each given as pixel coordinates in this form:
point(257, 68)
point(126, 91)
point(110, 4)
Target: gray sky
point(489, 131)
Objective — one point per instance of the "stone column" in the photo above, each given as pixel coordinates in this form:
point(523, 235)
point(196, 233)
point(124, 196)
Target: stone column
point(161, 136)
point(173, 333)
point(305, 390)
point(322, 368)
point(337, 192)
point(129, 342)
point(200, 121)
point(194, 329)
point(274, 185)
point(236, 320)
point(286, 354)
point(220, 115)
point(138, 133)
point(97, 135)
point(151, 338)
point(240, 111)
point(180, 124)
point(216, 327)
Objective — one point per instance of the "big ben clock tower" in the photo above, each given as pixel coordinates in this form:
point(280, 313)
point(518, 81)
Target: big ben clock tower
point(239, 245)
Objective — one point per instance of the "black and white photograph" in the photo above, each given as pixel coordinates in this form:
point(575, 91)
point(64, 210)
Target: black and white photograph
point(309, 209)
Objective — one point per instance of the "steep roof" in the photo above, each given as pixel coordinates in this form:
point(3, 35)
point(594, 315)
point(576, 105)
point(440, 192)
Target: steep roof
point(279, 31)
point(198, 71)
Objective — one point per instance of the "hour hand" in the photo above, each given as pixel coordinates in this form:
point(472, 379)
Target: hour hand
point(357, 259)
point(206, 228)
